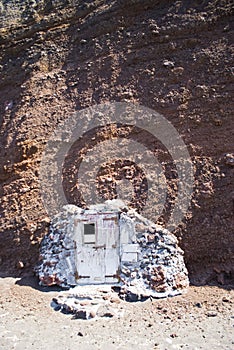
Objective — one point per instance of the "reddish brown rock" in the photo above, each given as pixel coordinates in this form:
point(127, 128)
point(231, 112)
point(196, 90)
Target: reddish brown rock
point(85, 54)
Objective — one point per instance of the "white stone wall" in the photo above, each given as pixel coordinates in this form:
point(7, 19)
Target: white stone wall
point(148, 258)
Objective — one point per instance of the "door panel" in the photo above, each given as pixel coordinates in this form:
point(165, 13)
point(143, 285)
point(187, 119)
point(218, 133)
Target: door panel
point(111, 233)
point(98, 250)
point(90, 265)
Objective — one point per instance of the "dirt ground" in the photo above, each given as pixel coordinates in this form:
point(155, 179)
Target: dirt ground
point(201, 319)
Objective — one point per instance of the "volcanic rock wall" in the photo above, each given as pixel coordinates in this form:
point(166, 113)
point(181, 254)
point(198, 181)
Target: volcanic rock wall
point(175, 57)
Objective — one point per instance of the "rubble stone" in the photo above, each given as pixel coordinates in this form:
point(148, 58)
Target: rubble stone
point(229, 159)
point(88, 302)
point(150, 260)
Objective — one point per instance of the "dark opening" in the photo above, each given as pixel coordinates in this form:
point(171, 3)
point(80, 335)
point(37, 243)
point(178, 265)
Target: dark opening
point(89, 233)
point(89, 229)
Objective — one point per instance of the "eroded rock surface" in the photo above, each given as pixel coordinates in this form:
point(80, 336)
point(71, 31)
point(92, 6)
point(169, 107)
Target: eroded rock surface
point(175, 57)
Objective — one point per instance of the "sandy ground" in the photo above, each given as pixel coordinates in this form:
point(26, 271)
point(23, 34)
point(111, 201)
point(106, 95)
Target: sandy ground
point(201, 319)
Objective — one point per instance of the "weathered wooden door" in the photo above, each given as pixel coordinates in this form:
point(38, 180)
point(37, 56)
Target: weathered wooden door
point(98, 249)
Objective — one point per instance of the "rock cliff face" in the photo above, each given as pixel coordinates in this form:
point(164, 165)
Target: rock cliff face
point(175, 57)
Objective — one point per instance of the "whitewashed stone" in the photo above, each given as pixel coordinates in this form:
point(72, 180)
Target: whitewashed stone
point(123, 248)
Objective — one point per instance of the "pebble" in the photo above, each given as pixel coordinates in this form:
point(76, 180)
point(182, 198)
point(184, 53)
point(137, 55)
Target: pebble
point(115, 300)
point(92, 314)
point(211, 313)
point(20, 265)
point(169, 64)
point(226, 299)
point(198, 305)
point(81, 314)
point(173, 335)
point(229, 159)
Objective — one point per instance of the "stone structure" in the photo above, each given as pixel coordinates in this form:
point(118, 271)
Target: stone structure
point(108, 243)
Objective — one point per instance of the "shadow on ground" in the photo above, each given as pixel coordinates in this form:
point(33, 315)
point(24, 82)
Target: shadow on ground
point(32, 281)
